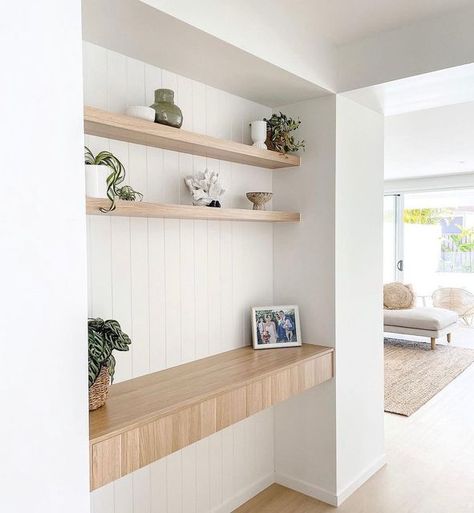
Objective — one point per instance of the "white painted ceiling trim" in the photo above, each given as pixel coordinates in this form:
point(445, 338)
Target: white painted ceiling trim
point(430, 183)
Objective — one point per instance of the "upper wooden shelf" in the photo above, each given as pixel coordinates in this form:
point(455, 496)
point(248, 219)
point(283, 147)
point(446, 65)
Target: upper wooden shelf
point(150, 417)
point(143, 209)
point(125, 128)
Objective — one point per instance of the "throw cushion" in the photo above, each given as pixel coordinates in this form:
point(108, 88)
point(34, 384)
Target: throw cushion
point(398, 296)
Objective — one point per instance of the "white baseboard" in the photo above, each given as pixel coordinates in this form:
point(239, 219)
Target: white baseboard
point(361, 479)
point(325, 495)
point(245, 494)
point(307, 488)
point(300, 486)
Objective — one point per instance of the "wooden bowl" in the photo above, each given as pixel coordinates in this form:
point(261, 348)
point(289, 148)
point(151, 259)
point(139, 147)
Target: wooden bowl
point(259, 199)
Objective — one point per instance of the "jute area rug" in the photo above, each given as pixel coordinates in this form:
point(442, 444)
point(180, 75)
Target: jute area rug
point(414, 374)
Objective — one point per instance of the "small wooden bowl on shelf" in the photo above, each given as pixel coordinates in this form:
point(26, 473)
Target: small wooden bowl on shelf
point(259, 199)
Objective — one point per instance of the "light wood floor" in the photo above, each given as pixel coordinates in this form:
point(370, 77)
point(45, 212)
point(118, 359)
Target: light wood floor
point(430, 465)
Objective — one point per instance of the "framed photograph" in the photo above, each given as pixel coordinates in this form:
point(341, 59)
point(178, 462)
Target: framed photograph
point(276, 326)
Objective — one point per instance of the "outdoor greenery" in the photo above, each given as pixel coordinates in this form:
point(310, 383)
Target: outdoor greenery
point(279, 138)
point(462, 241)
point(426, 215)
point(104, 337)
point(116, 177)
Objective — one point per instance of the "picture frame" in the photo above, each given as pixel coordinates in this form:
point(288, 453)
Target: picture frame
point(276, 326)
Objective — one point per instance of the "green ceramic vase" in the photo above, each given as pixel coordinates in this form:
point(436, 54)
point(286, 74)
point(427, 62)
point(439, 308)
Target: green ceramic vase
point(167, 113)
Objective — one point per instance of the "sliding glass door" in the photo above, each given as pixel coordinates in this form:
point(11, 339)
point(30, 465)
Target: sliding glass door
point(429, 240)
point(438, 232)
point(392, 238)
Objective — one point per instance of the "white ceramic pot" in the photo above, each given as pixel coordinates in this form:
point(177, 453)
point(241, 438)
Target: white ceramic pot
point(139, 111)
point(258, 133)
point(96, 180)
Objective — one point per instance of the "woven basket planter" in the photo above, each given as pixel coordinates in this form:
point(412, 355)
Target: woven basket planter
point(99, 390)
point(268, 141)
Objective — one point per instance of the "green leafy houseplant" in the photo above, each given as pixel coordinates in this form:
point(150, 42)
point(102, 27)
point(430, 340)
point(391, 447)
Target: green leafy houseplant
point(115, 178)
point(104, 338)
point(279, 138)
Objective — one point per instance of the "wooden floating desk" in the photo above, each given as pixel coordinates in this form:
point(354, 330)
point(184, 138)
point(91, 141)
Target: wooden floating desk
point(150, 417)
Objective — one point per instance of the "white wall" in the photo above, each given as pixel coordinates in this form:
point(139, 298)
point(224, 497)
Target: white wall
point(329, 440)
point(43, 350)
point(359, 276)
point(304, 257)
point(182, 289)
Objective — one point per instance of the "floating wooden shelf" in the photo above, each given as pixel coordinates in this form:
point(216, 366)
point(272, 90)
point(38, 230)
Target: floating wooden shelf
point(143, 209)
point(139, 131)
point(150, 417)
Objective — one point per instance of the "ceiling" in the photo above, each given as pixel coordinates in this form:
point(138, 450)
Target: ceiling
point(455, 198)
point(345, 21)
point(140, 31)
point(272, 51)
point(435, 89)
point(430, 142)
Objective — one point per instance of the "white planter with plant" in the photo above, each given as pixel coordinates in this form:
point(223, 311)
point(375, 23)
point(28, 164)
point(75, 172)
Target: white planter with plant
point(258, 133)
point(96, 180)
point(104, 172)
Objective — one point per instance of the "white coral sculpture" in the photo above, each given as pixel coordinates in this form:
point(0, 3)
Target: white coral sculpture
point(204, 187)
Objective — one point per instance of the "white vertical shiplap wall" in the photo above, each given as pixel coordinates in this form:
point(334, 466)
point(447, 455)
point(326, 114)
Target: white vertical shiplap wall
point(182, 289)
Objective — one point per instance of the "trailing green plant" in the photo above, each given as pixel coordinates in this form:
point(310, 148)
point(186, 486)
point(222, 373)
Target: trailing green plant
point(103, 338)
point(127, 193)
point(279, 137)
point(115, 178)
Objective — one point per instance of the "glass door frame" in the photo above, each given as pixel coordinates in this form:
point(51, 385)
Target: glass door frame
point(398, 233)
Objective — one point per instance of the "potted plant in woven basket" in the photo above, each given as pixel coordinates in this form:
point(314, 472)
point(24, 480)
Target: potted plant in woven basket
point(104, 338)
point(279, 136)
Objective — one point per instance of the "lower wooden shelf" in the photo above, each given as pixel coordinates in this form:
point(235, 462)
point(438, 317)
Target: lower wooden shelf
point(150, 417)
point(143, 209)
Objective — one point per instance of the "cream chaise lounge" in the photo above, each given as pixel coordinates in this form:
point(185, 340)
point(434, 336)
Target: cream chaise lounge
point(424, 322)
